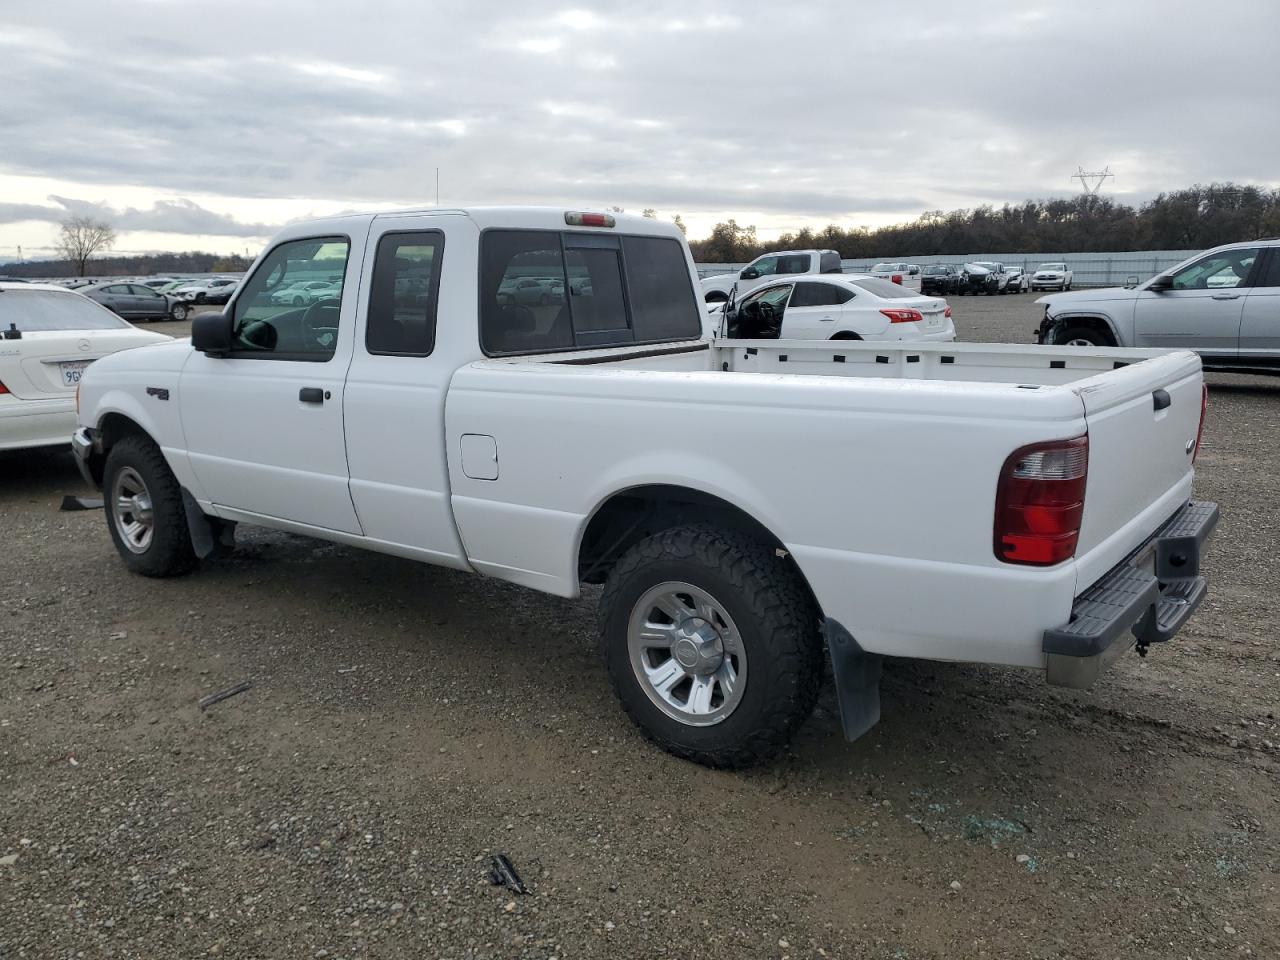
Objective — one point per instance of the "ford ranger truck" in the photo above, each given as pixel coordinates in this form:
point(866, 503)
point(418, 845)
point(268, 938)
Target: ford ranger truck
point(751, 508)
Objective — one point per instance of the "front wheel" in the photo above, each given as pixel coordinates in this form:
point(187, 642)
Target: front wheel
point(712, 644)
point(145, 515)
point(179, 311)
point(1081, 336)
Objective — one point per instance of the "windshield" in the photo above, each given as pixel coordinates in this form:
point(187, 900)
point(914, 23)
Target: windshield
point(984, 264)
point(45, 311)
point(885, 289)
point(1053, 266)
point(936, 271)
point(889, 268)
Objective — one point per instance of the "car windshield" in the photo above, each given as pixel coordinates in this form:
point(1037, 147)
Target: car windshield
point(885, 289)
point(1053, 266)
point(886, 268)
point(936, 271)
point(984, 264)
point(45, 311)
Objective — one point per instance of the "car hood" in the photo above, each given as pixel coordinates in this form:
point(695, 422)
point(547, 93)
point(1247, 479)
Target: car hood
point(1089, 296)
point(162, 356)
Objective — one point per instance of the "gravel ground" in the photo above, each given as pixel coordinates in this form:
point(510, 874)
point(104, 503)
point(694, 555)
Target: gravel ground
point(405, 722)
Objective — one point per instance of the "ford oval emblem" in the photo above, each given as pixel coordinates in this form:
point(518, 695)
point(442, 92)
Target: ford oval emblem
point(84, 344)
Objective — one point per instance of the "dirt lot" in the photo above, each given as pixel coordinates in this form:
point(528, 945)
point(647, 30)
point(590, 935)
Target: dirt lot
point(406, 721)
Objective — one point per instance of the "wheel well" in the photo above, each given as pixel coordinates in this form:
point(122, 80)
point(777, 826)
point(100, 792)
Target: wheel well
point(113, 428)
point(845, 335)
point(630, 516)
point(1096, 324)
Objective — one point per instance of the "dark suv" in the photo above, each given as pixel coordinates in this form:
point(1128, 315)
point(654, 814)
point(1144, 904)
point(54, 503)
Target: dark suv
point(940, 279)
point(985, 276)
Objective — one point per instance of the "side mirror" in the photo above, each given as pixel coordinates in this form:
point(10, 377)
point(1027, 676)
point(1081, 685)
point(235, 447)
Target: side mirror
point(1160, 284)
point(211, 334)
point(750, 273)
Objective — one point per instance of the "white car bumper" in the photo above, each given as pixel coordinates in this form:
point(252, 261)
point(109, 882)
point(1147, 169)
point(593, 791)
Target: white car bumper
point(36, 423)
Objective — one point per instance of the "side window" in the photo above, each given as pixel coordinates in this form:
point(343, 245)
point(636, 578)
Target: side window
point(795, 263)
point(1271, 275)
point(766, 266)
point(141, 290)
point(402, 299)
point(813, 295)
point(843, 294)
point(830, 263)
point(1216, 271)
point(274, 321)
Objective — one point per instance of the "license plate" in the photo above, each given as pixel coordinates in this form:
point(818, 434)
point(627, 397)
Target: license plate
point(72, 371)
point(933, 320)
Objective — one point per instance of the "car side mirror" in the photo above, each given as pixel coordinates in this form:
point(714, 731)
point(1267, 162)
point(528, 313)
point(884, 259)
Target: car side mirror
point(750, 273)
point(211, 334)
point(1160, 284)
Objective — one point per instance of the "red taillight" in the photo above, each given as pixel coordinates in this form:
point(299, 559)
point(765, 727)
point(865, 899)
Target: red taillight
point(896, 278)
point(903, 315)
point(947, 312)
point(1204, 408)
point(1040, 501)
point(3, 388)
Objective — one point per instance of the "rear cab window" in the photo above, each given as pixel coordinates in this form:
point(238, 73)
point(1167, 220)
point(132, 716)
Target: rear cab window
point(543, 291)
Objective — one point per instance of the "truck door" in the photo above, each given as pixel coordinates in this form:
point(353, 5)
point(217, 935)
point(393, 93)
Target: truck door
point(263, 424)
point(1260, 324)
point(410, 338)
point(1202, 310)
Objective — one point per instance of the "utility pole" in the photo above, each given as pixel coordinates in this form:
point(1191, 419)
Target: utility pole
point(437, 186)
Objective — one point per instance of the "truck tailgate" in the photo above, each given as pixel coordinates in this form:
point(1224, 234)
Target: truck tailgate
point(1142, 421)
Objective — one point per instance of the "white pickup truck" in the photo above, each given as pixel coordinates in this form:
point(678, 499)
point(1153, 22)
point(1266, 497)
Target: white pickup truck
point(769, 267)
point(747, 505)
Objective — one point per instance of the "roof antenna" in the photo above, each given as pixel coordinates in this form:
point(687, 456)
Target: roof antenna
point(13, 333)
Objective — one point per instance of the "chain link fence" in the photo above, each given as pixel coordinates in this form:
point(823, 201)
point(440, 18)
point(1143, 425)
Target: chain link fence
point(1089, 269)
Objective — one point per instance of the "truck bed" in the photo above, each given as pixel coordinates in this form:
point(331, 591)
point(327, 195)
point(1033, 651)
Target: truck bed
point(876, 466)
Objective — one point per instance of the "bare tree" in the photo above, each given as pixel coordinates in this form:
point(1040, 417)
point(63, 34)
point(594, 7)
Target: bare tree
point(680, 223)
point(649, 212)
point(81, 237)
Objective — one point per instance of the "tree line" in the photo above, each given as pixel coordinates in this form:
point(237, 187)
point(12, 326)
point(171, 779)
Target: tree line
point(1191, 219)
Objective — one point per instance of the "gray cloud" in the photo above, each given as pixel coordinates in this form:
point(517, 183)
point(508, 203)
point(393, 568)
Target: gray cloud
point(816, 110)
point(165, 216)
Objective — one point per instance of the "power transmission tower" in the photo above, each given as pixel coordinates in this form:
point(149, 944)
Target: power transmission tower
point(1092, 180)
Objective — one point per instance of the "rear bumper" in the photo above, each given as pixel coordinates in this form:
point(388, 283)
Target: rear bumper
point(1144, 599)
point(35, 423)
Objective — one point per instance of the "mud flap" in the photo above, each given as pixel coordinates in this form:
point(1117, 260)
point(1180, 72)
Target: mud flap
point(207, 533)
point(857, 676)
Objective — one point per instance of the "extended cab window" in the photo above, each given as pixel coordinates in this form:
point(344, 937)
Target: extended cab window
point(289, 308)
point(543, 291)
point(794, 263)
point(402, 300)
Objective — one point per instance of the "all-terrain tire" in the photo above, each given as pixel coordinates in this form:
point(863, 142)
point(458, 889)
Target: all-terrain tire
point(776, 619)
point(169, 552)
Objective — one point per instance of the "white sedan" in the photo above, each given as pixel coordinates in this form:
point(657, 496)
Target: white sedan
point(837, 307)
point(48, 336)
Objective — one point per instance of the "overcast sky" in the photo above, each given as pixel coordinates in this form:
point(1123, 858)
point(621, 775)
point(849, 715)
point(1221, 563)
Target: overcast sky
point(206, 125)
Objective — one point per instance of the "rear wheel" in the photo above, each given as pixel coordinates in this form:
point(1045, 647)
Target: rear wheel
point(712, 644)
point(145, 515)
point(179, 311)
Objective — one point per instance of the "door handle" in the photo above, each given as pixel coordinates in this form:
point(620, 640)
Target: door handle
point(1233, 295)
point(1160, 399)
point(827, 319)
point(311, 395)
